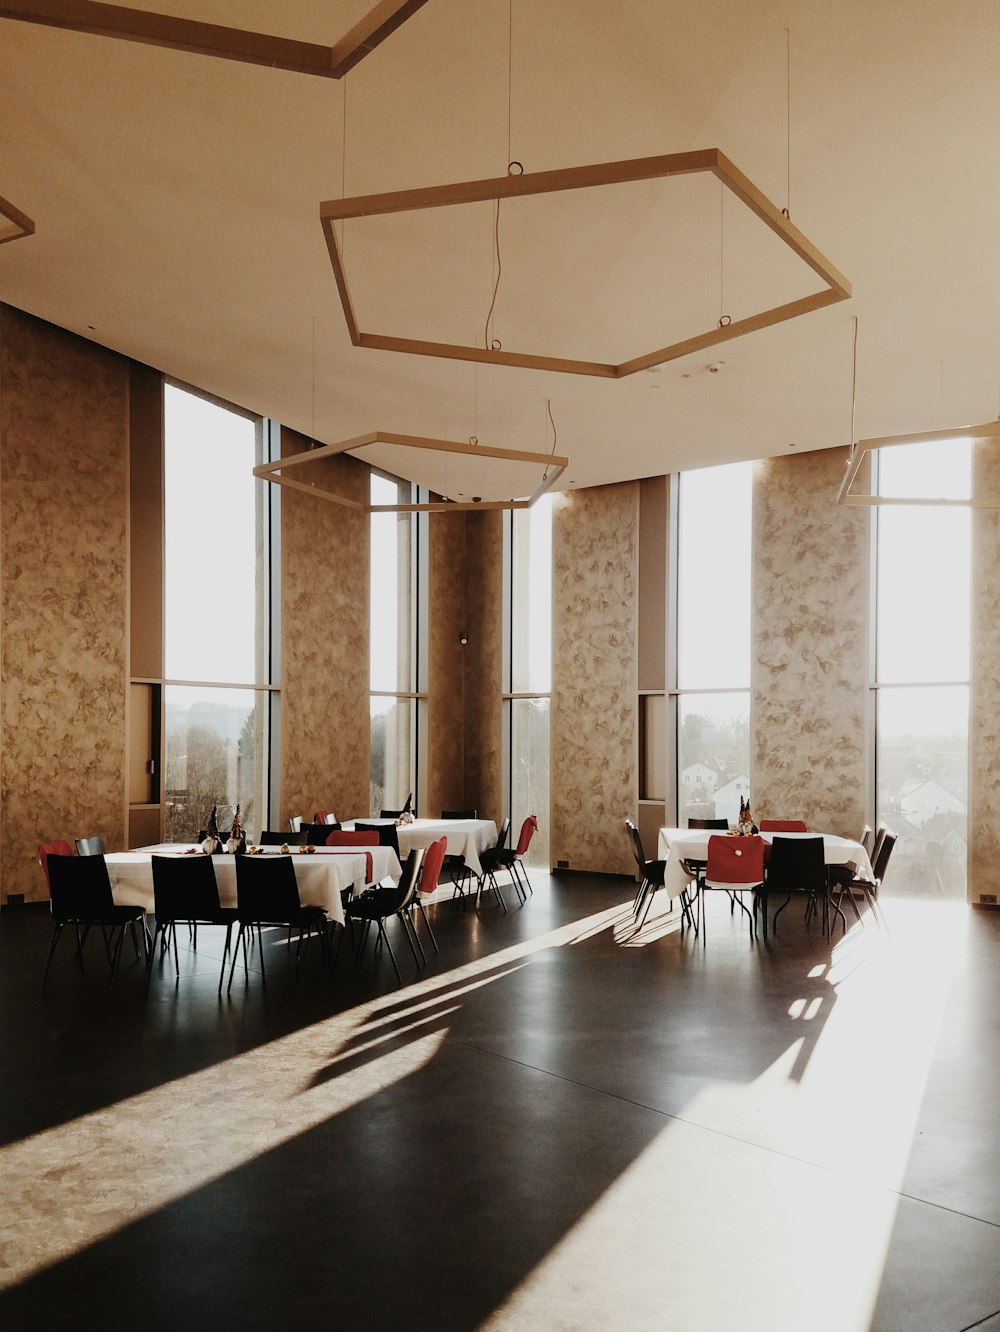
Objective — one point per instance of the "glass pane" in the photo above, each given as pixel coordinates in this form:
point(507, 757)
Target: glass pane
point(391, 583)
point(211, 580)
point(922, 765)
point(713, 629)
point(713, 758)
point(924, 589)
point(530, 775)
point(531, 665)
point(391, 746)
point(941, 469)
point(216, 741)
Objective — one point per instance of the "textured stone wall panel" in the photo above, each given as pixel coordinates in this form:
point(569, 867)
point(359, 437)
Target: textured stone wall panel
point(63, 627)
point(594, 673)
point(984, 734)
point(325, 728)
point(810, 645)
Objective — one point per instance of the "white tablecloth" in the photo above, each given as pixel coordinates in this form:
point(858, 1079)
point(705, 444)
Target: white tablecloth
point(677, 844)
point(465, 837)
point(321, 876)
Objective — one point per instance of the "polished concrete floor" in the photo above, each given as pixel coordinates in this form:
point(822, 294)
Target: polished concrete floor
point(559, 1124)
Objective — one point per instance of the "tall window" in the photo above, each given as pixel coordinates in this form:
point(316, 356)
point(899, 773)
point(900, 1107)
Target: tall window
point(393, 654)
point(923, 582)
point(527, 701)
point(217, 700)
point(713, 641)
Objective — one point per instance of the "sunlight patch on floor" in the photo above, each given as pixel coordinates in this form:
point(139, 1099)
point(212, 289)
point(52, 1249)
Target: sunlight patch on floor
point(66, 1187)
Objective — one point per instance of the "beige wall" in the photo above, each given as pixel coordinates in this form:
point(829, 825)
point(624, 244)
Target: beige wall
point(595, 543)
point(810, 645)
point(63, 604)
point(325, 732)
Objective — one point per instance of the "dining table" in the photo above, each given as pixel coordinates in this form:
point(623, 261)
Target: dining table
point(464, 837)
point(675, 845)
point(323, 874)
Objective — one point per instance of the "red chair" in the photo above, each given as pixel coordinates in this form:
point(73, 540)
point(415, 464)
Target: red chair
point(430, 872)
point(52, 849)
point(339, 837)
point(782, 825)
point(511, 860)
point(735, 865)
point(324, 816)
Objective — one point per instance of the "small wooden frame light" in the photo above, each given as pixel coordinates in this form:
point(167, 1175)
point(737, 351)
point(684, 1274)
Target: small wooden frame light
point(18, 223)
point(252, 48)
point(977, 433)
point(554, 464)
point(709, 160)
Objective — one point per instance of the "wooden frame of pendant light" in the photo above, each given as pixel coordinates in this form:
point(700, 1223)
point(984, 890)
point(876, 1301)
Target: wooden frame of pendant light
point(977, 433)
point(20, 223)
point(555, 464)
point(253, 48)
point(709, 160)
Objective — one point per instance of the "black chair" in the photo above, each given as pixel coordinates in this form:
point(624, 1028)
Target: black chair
point(798, 865)
point(316, 833)
point(387, 834)
point(459, 814)
point(490, 861)
point(270, 838)
point(716, 825)
point(398, 813)
point(378, 904)
point(90, 846)
point(185, 892)
point(81, 896)
point(267, 893)
point(653, 874)
point(846, 882)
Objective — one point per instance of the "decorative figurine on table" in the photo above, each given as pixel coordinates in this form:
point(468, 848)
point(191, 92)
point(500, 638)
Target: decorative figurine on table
point(212, 842)
point(746, 826)
point(237, 837)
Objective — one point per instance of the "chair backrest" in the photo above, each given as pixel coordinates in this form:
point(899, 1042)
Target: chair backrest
point(867, 838)
point(343, 837)
point(266, 889)
point(431, 869)
point(385, 832)
point(317, 833)
point(271, 838)
point(406, 889)
point(321, 816)
point(503, 834)
point(782, 825)
point(873, 854)
point(636, 840)
point(735, 860)
point(52, 849)
point(90, 846)
point(331, 820)
point(455, 814)
point(295, 823)
point(882, 853)
point(527, 832)
point(796, 865)
point(184, 888)
point(722, 825)
point(80, 887)
point(390, 813)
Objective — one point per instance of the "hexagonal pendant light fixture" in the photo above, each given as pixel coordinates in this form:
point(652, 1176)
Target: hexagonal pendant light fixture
point(554, 464)
point(710, 161)
point(862, 447)
point(18, 223)
point(253, 48)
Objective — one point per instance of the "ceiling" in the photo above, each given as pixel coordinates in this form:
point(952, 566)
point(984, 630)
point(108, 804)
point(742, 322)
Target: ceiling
point(176, 199)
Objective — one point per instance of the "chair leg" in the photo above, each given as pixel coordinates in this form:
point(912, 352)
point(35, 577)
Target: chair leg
point(392, 956)
point(410, 930)
point(117, 955)
point(423, 917)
